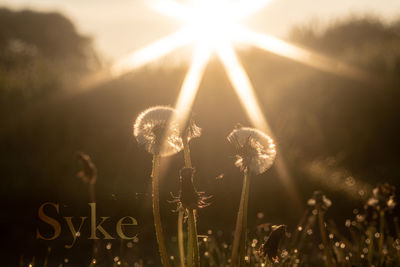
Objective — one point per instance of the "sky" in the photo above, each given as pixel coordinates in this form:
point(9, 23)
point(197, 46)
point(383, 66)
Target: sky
point(119, 27)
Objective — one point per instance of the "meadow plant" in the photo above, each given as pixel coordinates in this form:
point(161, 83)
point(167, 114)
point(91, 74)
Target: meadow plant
point(190, 131)
point(255, 154)
point(155, 130)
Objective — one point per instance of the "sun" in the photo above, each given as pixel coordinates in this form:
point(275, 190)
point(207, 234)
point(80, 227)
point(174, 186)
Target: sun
point(210, 22)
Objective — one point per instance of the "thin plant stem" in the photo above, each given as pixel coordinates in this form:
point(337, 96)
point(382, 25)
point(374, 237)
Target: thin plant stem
point(156, 210)
point(243, 243)
point(193, 246)
point(193, 232)
point(180, 237)
point(46, 259)
point(188, 164)
point(92, 198)
point(239, 220)
point(186, 154)
point(381, 237)
point(324, 238)
point(190, 243)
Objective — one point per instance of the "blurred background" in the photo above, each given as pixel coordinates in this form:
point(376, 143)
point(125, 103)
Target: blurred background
point(336, 134)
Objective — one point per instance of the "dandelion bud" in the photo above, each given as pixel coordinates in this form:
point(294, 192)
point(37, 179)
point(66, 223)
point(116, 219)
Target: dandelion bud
point(255, 150)
point(154, 130)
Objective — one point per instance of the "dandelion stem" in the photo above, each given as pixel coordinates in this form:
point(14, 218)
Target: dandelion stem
point(156, 210)
point(193, 255)
point(193, 232)
point(180, 237)
point(244, 226)
point(241, 224)
point(190, 243)
point(92, 197)
point(324, 238)
point(382, 232)
point(186, 153)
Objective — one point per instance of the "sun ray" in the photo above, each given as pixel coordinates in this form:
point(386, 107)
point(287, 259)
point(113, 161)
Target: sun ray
point(285, 49)
point(152, 51)
point(192, 81)
point(242, 85)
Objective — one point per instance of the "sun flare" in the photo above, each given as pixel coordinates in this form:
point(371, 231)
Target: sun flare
point(214, 27)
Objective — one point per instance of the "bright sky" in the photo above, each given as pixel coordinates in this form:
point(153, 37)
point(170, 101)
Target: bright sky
point(120, 26)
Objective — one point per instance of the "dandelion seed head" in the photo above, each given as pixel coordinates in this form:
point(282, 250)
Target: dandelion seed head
point(256, 151)
point(153, 127)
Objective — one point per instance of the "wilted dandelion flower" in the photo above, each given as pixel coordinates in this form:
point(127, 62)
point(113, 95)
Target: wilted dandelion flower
point(191, 130)
point(255, 150)
point(189, 198)
point(154, 126)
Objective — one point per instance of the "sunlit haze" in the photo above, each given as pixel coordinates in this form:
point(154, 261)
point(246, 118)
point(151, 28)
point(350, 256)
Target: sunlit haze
point(118, 26)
